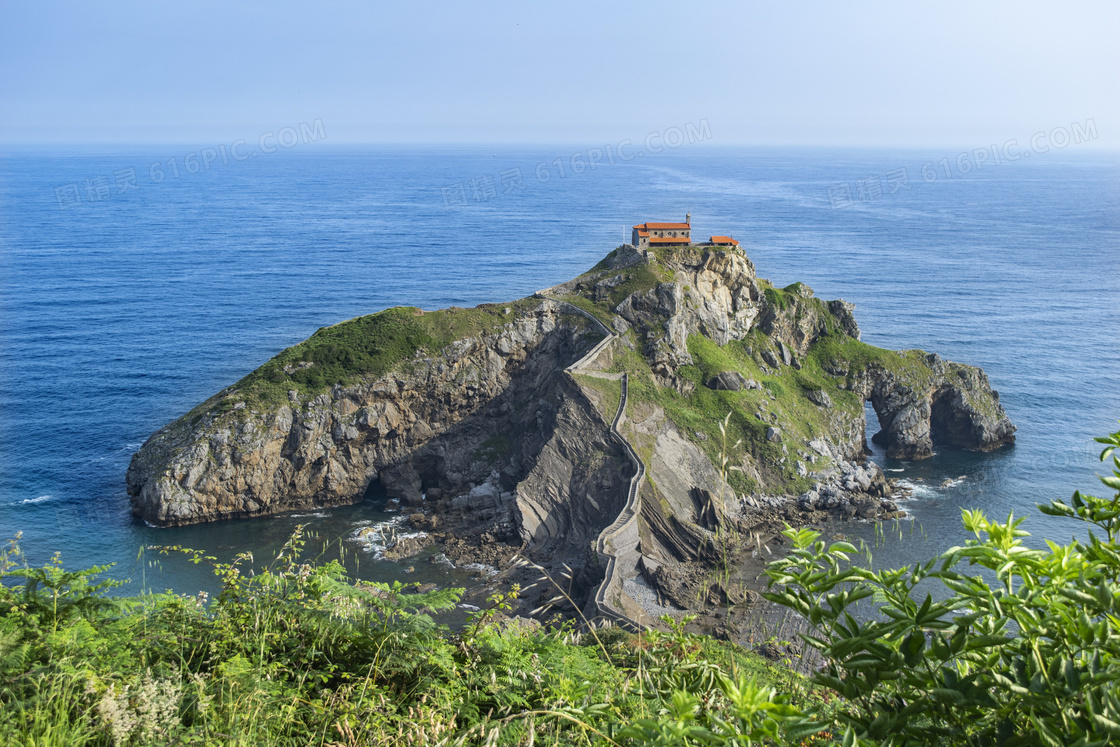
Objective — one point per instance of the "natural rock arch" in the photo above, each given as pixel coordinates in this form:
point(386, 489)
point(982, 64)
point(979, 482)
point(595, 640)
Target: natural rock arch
point(953, 404)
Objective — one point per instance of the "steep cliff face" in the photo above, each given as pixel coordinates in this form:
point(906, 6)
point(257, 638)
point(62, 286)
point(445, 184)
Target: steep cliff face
point(675, 302)
point(576, 480)
point(741, 404)
point(705, 343)
point(238, 459)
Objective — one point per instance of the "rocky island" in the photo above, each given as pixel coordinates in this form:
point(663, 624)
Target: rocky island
point(634, 424)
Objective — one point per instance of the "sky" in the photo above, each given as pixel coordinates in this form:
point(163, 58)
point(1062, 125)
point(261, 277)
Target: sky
point(865, 74)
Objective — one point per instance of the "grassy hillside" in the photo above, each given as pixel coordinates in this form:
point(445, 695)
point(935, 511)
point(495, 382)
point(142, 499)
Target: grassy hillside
point(366, 347)
point(302, 655)
point(610, 392)
point(784, 393)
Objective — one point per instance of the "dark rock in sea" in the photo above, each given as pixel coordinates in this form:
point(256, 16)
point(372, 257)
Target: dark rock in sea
point(406, 547)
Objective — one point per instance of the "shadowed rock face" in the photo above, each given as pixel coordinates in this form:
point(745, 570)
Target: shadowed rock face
point(326, 451)
point(577, 479)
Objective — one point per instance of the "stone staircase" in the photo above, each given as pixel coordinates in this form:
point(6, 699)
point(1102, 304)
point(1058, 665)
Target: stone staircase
point(618, 544)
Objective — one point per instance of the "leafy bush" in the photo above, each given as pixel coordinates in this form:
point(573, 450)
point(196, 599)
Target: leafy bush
point(1023, 653)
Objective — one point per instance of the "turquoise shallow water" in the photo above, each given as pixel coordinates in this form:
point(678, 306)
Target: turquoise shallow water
point(120, 313)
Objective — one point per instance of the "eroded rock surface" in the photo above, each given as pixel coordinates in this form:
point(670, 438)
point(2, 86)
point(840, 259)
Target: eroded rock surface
point(327, 450)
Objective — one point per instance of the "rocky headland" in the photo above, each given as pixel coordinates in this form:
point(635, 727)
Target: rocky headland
point(629, 429)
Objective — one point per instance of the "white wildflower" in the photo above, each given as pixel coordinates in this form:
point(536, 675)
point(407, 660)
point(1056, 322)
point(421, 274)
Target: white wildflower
point(148, 709)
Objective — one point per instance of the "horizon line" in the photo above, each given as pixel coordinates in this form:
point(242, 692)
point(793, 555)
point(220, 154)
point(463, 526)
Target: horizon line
point(335, 143)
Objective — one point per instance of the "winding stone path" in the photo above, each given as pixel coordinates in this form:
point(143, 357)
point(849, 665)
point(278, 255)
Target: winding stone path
point(617, 545)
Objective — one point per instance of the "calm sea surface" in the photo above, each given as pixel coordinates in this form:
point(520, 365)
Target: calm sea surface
point(121, 312)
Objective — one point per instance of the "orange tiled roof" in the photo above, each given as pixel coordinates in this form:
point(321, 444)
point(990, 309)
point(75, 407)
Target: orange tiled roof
point(724, 240)
point(664, 226)
point(643, 234)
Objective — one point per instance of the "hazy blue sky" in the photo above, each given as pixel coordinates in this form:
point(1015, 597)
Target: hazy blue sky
point(811, 73)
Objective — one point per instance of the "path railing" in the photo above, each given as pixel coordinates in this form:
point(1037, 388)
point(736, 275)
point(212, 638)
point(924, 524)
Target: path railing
point(625, 522)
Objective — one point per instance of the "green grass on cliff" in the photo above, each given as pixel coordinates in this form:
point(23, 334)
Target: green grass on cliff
point(783, 399)
point(365, 348)
point(635, 279)
point(609, 390)
point(638, 279)
point(784, 394)
point(699, 413)
point(909, 365)
point(599, 311)
point(782, 298)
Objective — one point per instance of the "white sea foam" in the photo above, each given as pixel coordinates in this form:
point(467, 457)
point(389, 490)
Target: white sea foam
point(906, 516)
point(40, 499)
point(486, 570)
point(441, 559)
point(376, 538)
point(896, 469)
point(918, 490)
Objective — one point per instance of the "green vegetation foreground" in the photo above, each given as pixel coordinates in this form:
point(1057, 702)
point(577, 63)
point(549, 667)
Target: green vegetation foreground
point(302, 655)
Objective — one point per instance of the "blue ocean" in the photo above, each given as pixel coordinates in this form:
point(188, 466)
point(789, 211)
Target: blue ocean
point(135, 283)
